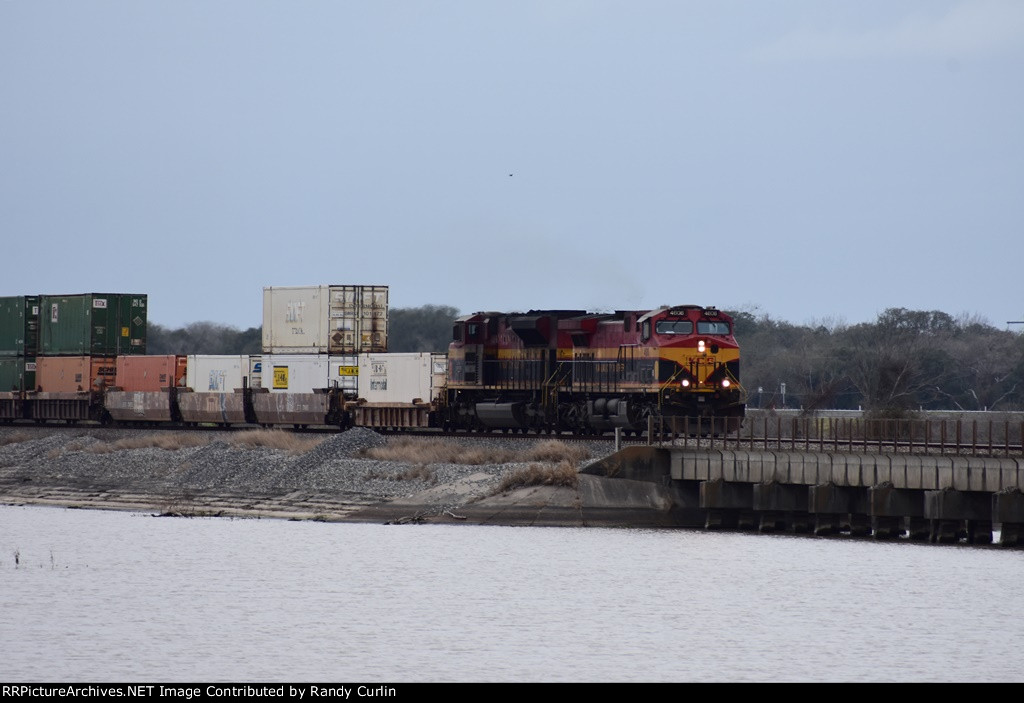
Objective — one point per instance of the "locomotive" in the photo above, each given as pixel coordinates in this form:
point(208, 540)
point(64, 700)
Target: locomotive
point(569, 370)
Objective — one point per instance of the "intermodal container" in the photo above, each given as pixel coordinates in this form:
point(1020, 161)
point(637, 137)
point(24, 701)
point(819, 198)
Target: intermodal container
point(75, 374)
point(94, 324)
point(325, 319)
point(217, 373)
point(343, 373)
point(294, 320)
point(415, 377)
point(17, 373)
point(150, 373)
point(255, 371)
point(357, 319)
point(19, 325)
point(295, 373)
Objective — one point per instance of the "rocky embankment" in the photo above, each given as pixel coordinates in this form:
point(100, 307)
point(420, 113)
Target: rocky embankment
point(264, 473)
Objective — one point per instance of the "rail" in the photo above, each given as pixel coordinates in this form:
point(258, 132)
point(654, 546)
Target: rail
point(839, 434)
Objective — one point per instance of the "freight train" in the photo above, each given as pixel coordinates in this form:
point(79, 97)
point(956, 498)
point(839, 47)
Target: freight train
point(540, 371)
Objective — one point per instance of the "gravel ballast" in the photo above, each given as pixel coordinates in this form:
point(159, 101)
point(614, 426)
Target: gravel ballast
point(230, 474)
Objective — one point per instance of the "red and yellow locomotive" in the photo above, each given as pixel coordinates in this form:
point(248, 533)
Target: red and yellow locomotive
point(557, 370)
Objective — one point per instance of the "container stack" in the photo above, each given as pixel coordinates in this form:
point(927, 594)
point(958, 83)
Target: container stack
point(313, 335)
point(19, 343)
point(81, 336)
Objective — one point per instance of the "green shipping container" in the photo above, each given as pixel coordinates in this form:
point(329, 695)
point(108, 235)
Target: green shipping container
point(17, 373)
point(93, 324)
point(19, 325)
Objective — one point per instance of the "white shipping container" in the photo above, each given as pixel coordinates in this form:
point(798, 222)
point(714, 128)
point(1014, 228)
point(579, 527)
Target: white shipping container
point(255, 371)
point(295, 319)
point(336, 319)
point(397, 378)
point(216, 373)
point(344, 372)
point(295, 373)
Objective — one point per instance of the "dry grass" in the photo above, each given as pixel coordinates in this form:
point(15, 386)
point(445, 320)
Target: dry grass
point(276, 439)
point(15, 438)
point(438, 451)
point(561, 474)
point(417, 473)
point(554, 451)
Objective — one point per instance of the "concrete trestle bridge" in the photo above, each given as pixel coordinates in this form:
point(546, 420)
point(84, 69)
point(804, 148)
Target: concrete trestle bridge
point(939, 481)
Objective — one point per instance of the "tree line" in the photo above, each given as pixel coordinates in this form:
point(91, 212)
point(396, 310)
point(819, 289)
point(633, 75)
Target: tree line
point(904, 360)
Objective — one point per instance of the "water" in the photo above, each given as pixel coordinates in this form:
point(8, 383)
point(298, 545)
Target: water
point(106, 596)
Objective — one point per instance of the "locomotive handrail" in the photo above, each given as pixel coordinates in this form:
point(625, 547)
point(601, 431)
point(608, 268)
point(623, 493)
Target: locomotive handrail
point(551, 385)
point(668, 383)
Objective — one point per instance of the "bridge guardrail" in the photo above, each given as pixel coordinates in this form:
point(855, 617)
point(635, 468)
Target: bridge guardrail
point(974, 437)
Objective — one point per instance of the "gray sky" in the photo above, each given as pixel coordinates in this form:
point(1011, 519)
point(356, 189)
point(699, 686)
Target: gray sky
point(815, 159)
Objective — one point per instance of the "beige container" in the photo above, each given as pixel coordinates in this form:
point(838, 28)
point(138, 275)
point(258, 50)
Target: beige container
point(217, 373)
point(358, 319)
point(295, 373)
point(295, 320)
point(336, 319)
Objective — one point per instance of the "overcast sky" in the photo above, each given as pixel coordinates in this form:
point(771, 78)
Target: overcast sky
point(810, 159)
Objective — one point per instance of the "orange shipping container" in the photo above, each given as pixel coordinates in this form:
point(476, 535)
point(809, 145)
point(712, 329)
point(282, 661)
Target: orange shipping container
point(74, 374)
point(150, 373)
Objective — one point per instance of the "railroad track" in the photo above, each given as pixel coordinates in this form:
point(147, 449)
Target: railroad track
point(731, 441)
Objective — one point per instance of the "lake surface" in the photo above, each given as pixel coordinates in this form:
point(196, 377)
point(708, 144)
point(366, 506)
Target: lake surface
point(107, 596)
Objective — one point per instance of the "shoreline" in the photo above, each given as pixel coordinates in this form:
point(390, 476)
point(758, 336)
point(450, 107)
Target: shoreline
point(331, 480)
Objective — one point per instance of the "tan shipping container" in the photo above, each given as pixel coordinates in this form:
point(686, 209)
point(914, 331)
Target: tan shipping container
point(75, 374)
point(358, 319)
point(335, 319)
point(151, 373)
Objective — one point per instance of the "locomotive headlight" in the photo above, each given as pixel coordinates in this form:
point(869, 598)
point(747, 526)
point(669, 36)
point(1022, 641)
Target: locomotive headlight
point(685, 383)
point(700, 346)
point(725, 383)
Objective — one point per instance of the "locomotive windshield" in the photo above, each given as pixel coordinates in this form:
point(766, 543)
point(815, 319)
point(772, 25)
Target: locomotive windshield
point(708, 327)
point(674, 327)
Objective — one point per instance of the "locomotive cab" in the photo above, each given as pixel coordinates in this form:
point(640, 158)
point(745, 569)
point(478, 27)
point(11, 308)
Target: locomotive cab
point(698, 360)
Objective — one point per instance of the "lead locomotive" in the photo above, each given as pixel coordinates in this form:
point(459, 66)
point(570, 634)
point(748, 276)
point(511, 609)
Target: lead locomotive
point(558, 370)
